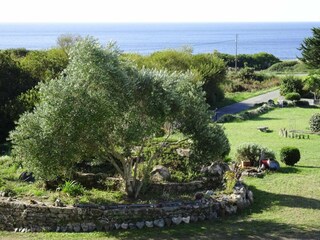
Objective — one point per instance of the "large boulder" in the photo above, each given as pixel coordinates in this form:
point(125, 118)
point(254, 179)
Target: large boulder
point(160, 173)
point(216, 169)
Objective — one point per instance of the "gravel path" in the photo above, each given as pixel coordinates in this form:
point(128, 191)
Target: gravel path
point(246, 104)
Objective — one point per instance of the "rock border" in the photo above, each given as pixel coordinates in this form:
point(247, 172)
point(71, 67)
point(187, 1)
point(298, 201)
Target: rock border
point(38, 217)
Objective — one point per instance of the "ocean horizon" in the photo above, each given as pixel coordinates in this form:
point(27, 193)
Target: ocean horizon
point(280, 39)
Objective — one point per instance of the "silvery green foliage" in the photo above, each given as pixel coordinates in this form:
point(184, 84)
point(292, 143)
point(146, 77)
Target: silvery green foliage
point(103, 107)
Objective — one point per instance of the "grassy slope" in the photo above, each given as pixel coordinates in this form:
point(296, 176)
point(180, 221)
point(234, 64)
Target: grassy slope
point(287, 203)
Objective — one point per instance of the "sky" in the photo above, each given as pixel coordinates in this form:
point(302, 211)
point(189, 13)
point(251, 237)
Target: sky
point(106, 11)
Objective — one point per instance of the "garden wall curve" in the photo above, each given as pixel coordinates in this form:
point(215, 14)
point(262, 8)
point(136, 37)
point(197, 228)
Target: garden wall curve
point(34, 217)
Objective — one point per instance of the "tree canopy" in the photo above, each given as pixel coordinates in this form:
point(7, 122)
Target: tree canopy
point(312, 83)
point(310, 49)
point(104, 108)
point(13, 82)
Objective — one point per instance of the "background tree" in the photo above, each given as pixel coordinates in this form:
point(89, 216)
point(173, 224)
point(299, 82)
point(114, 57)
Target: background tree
point(105, 109)
point(310, 49)
point(13, 82)
point(212, 73)
point(208, 68)
point(44, 65)
point(66, 41)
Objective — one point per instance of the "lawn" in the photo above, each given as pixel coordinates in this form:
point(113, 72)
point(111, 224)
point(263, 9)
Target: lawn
point(287, 203)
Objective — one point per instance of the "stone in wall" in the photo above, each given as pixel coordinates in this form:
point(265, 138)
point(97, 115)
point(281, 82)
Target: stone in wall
point(27, 217)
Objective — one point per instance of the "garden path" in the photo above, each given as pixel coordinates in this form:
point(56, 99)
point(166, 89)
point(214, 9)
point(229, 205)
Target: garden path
point(246, 104)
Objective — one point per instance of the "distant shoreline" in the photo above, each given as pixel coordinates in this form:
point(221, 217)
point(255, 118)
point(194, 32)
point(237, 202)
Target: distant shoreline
point(278, 38)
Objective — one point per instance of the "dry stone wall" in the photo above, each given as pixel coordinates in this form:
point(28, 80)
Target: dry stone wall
point(23, 217)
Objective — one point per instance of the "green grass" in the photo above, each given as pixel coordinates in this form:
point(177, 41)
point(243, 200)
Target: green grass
point(287, 203)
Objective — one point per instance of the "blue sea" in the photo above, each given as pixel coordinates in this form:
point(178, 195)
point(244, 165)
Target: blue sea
point(280, 39)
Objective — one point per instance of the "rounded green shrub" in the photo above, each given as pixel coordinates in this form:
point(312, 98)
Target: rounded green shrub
point(291, 84)
point(289, 155)
point(252, 152)
point(314, 122)
point(294, 96)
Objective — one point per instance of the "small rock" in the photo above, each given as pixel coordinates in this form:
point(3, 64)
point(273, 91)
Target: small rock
point(69, 227)
point(124, 225)
point(76, 227)
point(132, 226)
point(250, 196)
point(58, 203)
point(183, 152)
point(140, 225)
point(176, 220)
point(209, 192)
point(85, 227)
point(149, 224)
point(194, 218)
point(117, 226)
point(26, 177)
point(159, 223)
point(168, 221)
point(91, 227)
point(198, 196)
point(31, 201)
point(186, 219)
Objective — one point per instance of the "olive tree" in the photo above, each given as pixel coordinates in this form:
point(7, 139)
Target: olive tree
point(103, 108)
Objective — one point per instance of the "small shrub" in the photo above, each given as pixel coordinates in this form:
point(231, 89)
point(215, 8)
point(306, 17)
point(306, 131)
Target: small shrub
point(227, 118)
point(252, 152)
point(289, 155)
point(293, 96)
point(72, 188)
point(291, 84)
point(231, 180)
point(314, 122)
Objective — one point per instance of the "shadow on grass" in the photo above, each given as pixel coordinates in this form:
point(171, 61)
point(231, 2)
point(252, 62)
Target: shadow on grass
point(241, 226)
point(261, 118)
point(289, 170)
point(307, 166)
point(264, 200)
point(233, 228)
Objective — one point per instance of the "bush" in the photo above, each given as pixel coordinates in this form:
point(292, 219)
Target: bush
point(72, 188)
point(227, 118)
point(283, 66)
point(289, 155)
point(293, 96)
point(291, 84)
point(252, 152)
point(315, 122)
